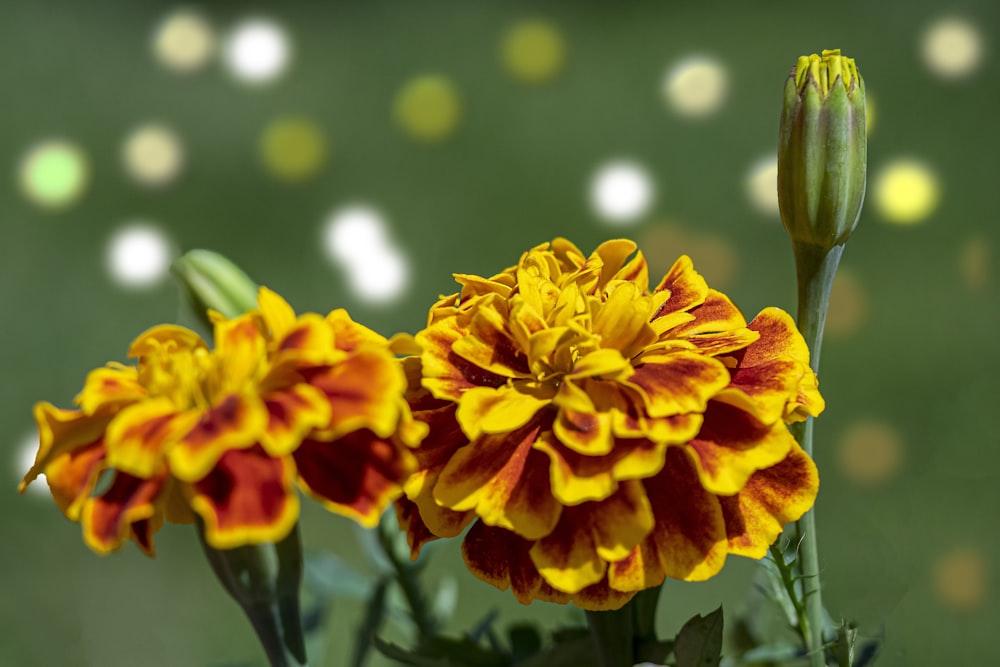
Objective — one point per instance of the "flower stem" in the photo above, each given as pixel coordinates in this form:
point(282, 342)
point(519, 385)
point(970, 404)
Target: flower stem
point(816, 268)
point(264, 580)
point(617, 634)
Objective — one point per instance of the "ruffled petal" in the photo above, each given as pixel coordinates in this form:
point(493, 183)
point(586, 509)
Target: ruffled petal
point(488, 345)
point(357, 475)
point(678, 383)
point(362, 391)
point(689, 538)
point(687, 288)
point(576, 553)
point(291, 414)
point(445, 374)
point(348, 335)
point(109, 389)
point(236, 422)
point(501, 410)
point(127, 509)
point(500, 557)
point(732, 446)
point(504, 480)
point(247, 498)
point(61, 431)
point(771, 498)
point(72, 476)
point(278, 315)
point(139, 436)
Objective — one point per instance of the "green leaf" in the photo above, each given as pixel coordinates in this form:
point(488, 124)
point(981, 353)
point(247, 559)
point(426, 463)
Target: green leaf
point(699, 643)
point(653, 650)
point(372, 622)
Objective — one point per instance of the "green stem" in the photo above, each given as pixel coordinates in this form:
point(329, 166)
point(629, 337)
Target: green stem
point(788, 581)
point(264, 580)
point(617, 634)
point(613, 635)
point(406, 577)
point(816, 268)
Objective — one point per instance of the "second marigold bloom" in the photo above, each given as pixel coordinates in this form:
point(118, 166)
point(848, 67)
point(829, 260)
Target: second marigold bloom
point(601, 435)
point(226, 433)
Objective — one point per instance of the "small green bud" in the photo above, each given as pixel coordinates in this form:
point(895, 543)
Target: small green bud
point(822, 150)
point(213, 282)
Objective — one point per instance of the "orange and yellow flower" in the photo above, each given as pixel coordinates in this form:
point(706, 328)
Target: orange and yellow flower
point(601, 436)
point(227, 433)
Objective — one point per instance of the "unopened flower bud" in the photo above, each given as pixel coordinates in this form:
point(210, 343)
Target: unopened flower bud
point(214, 282)
point(822, 150)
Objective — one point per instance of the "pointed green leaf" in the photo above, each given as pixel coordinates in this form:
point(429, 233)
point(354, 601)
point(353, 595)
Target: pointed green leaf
point(699, 643)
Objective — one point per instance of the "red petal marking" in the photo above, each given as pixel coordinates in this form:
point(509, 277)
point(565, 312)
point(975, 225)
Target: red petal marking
point(778, 338)
point(504, 480)
point(411, 520)
point(678, 383)
point(140, 435)
point(716, 314)
point(235, 422)
point(445, 373)
point(732, 445)
point(500, 557)
point(363, 392)
point(292, 414)
point(487, 344)
point(357, 475)
point(687, 288)
point(246, 499)
point(108, 519)
point(689, 538)
point(772, 498)
point(766, 388)
point(71, 477)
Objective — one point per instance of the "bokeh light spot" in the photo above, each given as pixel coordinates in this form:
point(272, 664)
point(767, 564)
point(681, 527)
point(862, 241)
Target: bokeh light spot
point(138, 255)
point(427, 108)
point(380, 277)
point(906, 192)
point(257, 51)
point(153, 155)
point(184, 41)
point(952, 48)
point(696, 87)
point(621, 192)
point(24, 458)
point(353, 231)
point(356, 238)
point(712, 255)
point(534, 52)
point(293, 149)
point(54, 174)
point(762, 186)
point(870, 453)
point(848, 305)
point(960, 579)
point(975, 262)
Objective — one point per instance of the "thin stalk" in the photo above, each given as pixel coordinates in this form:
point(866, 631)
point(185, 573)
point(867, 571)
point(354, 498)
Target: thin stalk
point(406, 577)
point(613, 634)
point(816, 268)
point(788, 581)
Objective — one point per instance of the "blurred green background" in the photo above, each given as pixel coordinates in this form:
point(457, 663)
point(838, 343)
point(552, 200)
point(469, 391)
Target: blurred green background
point(355, 154)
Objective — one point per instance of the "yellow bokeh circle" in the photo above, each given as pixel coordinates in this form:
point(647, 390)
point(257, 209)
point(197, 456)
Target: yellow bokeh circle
point(848, 305)
point(54, 174)
point(975, 261)
point(153, 155)
point(952, 48)
point(906, 192)
point(870, 453)
point(427, 108)
point(960, 579)
point(293, 149)
point(534, 52)
point(184, 41)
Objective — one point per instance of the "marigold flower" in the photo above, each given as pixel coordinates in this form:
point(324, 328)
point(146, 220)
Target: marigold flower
point(226, 433)
point(600, 436)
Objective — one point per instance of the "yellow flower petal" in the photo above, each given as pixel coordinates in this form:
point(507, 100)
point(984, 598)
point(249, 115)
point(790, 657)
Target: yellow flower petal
point(278, 315)
point(487, 410)
point(140, 435)
point(110, 388)
point(236, 422)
